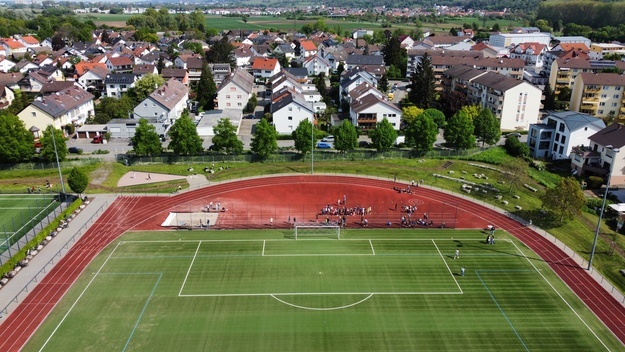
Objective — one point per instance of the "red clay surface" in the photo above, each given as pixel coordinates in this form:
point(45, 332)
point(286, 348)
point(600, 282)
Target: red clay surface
point(251, 203)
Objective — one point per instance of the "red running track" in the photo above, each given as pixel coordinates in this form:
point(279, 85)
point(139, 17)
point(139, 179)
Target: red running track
point(309, 192)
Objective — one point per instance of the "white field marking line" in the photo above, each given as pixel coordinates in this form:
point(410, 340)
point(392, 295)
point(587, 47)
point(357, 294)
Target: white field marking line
point(18, 208)
point(318, 294)
point(145, 306)
point(560, 295)
point(371, 244)
point(310, 239)
point(79, 297)
point(318, 309)
point(189, 270)
point(448, 269)
point(263, 253)
point(321, 255)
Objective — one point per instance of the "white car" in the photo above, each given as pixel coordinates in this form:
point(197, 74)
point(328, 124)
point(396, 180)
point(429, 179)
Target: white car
point(328, 139)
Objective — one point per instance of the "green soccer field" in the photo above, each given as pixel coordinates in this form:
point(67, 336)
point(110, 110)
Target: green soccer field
point(372, 290)
point(20, 212)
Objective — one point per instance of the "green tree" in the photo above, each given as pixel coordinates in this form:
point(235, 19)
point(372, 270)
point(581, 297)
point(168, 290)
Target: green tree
point(345, 136)
point(383, 83)
point(421, 133)
point(184, 137)
point(264, 141)
point(423, 89)
point(459, 131)
point(471, 110)
point(225, 139)
point(320, 84)
point(206, 89)
point(437, 116)
point(410, 113)
point(47, 144)
point(392, 52)
point(222, 52)
point(565, 200)
point(78, 180)
point(252, 103)
point(486, 127)
point(515, 148)
point(303, 137)
point(549, 103)
point(16, 142)
point(146, 141)
point(112, 108)
point(383, 136)
point(144, 87)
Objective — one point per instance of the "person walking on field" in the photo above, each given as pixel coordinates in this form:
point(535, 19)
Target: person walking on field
point(457, 255)
point(462, 271)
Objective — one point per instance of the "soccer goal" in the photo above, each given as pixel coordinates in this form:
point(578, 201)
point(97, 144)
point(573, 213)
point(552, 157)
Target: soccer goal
point(309, 230)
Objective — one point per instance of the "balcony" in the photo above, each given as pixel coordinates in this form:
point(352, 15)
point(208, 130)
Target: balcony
point(592, 89)
point(590, 98)
point(367, 120)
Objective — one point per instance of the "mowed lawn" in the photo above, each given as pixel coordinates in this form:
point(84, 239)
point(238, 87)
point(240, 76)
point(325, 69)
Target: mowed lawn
point(20, 212)
point(373, 290)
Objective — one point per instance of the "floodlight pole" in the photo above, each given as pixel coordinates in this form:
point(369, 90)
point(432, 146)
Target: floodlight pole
point(605, 196)
point(58, 165)
point(312, 147)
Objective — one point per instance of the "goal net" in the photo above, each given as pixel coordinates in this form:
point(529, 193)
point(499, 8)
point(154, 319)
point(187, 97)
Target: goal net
point(309, 230)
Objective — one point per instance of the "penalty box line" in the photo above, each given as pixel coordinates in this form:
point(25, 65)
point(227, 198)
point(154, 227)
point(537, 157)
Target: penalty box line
point(425, 293)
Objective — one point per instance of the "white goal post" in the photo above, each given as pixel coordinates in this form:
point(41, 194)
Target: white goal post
point(311, 230)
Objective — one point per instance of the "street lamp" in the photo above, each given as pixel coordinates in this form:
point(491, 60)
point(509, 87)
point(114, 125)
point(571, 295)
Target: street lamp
point(58, 165)
point(605, 196)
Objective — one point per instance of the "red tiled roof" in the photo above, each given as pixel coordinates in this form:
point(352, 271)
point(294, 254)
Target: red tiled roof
point(308, 45)
point(29, 39)
point(265, 64)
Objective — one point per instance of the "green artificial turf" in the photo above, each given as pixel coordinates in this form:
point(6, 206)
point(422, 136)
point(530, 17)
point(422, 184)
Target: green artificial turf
point(373, 290)
point(20, 213)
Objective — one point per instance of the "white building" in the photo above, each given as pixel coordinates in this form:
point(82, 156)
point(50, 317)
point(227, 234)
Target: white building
point(366, 111)
point(236, 90)
point(289, 108)
point(70, 106)
point(505, 40)
point(560, 132)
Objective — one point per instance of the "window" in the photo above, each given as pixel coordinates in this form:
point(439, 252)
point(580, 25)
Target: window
point(227, 104)
point(227, 97)
point(111, 86)
point(563, 139)
point(238, 97)
point(290, 108)
point(605, 87)
point(561, 150)
point(233, 89)
point(617, 88)
point(290, 118)
point(601, 111)
point(602, 103)
point(156, 114)
point(145, 104)
point(614, 105)
point(34, 113)
point(239, 104)
point(561, 127)
point(616, 96)
point(123, 86)
point(604, 96)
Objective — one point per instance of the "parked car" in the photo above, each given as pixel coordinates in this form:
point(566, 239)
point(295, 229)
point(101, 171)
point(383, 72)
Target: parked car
point(515, 134)
point(329, 138)
point(74, 150)
point(249, 117)
point(324, 145)
point(364, 144)
point(97, 139)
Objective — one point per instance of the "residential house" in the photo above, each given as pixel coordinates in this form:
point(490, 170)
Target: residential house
point(33, 82)
point(11, 79)
point(287, 50)
point(43, 60)
point(514, 102)
point(55, 87)
point(570, 52)
point(25, 66)
point(564, 71)
point(70, 106)
point(194, 66)
point(353, 78)
point(264, 68)
point(51, 71)
point(316, 64)
point(599, 50)
point(559, 133)
point(220, 71)
point(605, 152)
point(289, 108)
point(242, 55)
point(443, 41)
point(6, 65)
point(92, 80)
point(531, 53)
point(179, 74)
point(13, 47)
point(141, 70)
point(366, 111)
point(164, 106)
point(599, 94)
point(28, 41)
point(6, 97)
point(406, 42)
point(120, 64)
point(308, 48)
point(373, 64)
point(235, 91)
point(362, 90)
point(118, 83)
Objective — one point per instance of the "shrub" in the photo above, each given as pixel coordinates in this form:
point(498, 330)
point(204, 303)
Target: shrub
point(594, 182)
point(515, 148)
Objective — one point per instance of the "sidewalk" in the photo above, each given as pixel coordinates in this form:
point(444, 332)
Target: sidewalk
point(19, 287)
